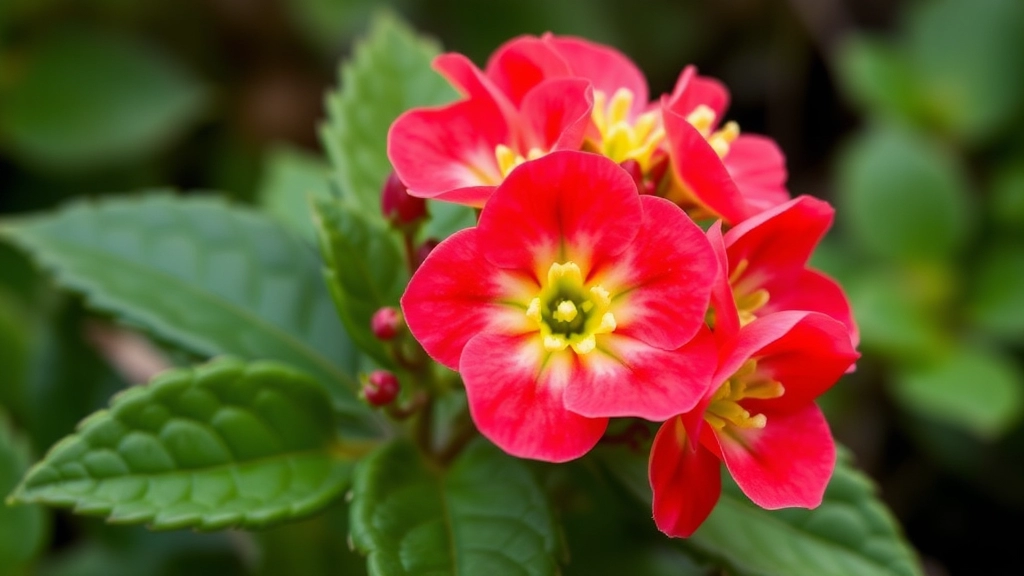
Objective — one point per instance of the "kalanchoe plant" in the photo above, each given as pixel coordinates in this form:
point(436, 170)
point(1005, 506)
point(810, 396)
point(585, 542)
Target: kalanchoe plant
point(572, 334)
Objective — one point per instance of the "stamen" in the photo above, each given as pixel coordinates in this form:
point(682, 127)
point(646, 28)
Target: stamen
point(568, 313)
point(725, 410)
point(702, 118)
point(565, 312)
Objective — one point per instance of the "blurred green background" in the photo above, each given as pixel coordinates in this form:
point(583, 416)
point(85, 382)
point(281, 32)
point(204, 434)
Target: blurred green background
point(908, 116)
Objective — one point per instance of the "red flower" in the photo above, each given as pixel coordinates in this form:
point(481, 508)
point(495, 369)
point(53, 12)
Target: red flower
point(573, 300)
point(539, 94)
point(760, 421)
point(461, 151)
point(765, 263)
point(729, 175)
point(717, 171)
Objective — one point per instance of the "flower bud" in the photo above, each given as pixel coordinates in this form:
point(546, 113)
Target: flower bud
point(386, 323)
point(398, 206)
point(380, 388)
point(424, 250)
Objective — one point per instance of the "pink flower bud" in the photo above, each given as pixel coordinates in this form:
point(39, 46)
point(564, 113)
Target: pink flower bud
point(380, 388)
point(386, 323)
point(397, 205)
point(424, 250)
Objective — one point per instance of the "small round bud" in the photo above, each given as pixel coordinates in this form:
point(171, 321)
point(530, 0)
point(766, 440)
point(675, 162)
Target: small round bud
point(386, 323)
point(398, 206)
point(380, 388)
point(424, 250)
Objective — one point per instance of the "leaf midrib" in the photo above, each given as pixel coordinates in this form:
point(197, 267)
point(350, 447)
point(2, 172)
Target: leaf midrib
point(275, 332)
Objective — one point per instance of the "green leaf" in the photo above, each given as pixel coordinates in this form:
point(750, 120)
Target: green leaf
point(876, 76)
point(1006, 204)
point(484, 515)
point(446, 219)
point(224, 444)
point(22, 529)
point(968, 56)
point(851, 534)
point(997, 296)
point(894, 320)
point(86, 98)
point(971, 387)
point(364, 268)
point(131, 551)
point(388, 73)
point(291, 177)
point(903, 197)
point(209, 277)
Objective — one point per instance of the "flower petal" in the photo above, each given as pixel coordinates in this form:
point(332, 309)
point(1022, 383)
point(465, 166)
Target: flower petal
point(698, 167)
point(515, 392)
point(778, 242)
point(692, 90)
point(556, 114)
point(786, 463)
point(625, 377)
point(758, 168)
point(473, 83)
point(449, 152)
point(563, 206)
point(806, 352)
point(607, 68)
point(661, 284)
point(454, 295)
point(522, 63)
point(685, 480)
point(727, 318)
point(814, 291)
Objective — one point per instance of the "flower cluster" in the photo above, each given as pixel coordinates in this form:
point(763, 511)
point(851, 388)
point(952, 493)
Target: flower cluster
point(587, 291)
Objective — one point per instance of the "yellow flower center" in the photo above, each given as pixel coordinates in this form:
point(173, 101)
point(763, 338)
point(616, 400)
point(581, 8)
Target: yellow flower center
point(621, 139)
point(508, 158)
point(568, 313)
point(725, 409)
point(747, 302)
point(702, 118)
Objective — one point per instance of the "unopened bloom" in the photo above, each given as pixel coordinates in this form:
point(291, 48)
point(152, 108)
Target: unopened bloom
point(574, 300)
point(759, 419)
point(764, 263)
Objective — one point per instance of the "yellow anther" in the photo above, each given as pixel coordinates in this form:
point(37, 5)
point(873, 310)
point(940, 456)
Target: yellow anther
point(508, 159)
point(702, 118)
point(721, 141)
point(568, 272)
point(565, 311)
point(618, 108)
point(607, 324)
point(533, 310)
point(568, 313)
point(725, 410)
point(553, 343)
point(586, 345)
point(623, 138)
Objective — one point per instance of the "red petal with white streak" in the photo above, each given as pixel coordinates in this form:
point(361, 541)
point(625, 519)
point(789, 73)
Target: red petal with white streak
point(454, 295)
point(565, 206)
point(787, 463)
point(625, 377)
point(515, 389)
point(661, 284)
